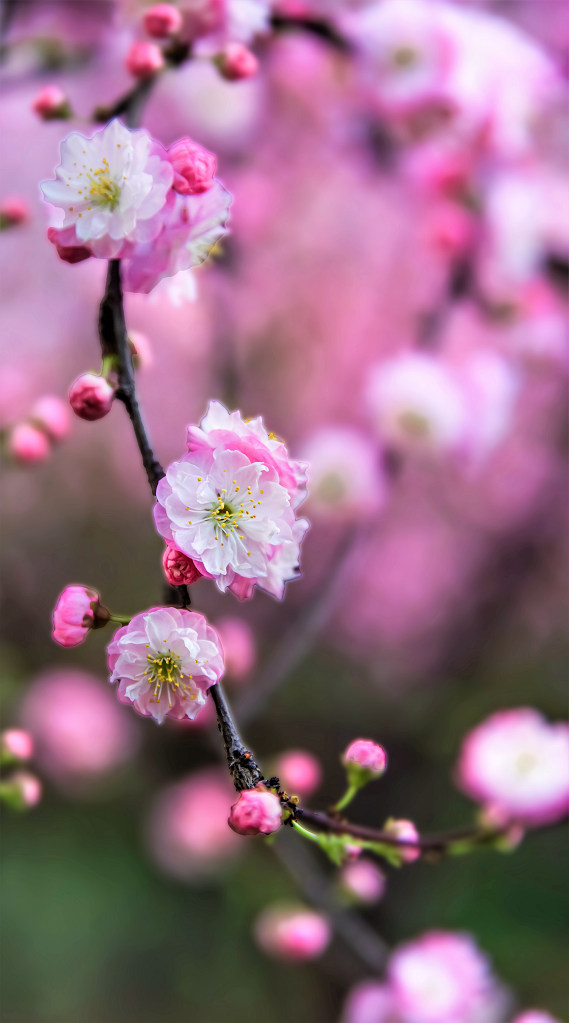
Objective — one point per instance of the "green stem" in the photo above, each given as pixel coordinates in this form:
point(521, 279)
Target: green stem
point(121, 619)
point(347, 797)
point(310, 835)
point(108, 366)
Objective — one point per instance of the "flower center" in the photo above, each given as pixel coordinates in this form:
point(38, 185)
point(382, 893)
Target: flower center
point(224, 516)
point(164, 670)
point(104, 191)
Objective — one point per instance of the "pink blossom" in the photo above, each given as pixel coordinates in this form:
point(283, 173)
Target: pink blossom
point(144, 59)
point(256, 812)
point(367, 756)
point(440, 978)
point(74, 615)
point(237, 62)
point(162, 20)
point(290, 933)
point(28, 445)
point(369, 1002)
point(346, 478)
point(16, 744)
point(363, 881)
point(239, 647)
point(178, 568)
point(79, 731)
point(194, 167)
point(299, 772)
point(407, 832)
point(13, 211)
point(535, 1016)
point(165, 660)
point(65, 241)
point(91, 396)
point(518, 764)
point(51, 103)
point(27, 789)
point(187, 828)
point(229, 504)
point(51, 414)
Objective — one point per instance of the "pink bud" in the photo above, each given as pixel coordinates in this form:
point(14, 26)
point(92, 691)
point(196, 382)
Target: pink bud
point(74, 615)
point(194, 167)
point(292, 934)
point(299, 772)
point(27, 787)
point(91, 397)
point(179, 569)
point(51, 103)
point(162, 20)
point(236, 62)
point(28, 445)
point(363, 881)
point(239, 649)
point(68, 253)
point(406, 831)
point(367, 755)
point(52, 414)
point(353, 852)
point(13, 211)
point(256, 812)
point(144, 59)
point(16, 744)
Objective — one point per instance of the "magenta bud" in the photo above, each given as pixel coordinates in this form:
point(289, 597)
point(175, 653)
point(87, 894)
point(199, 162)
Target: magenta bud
point(364, 761)
point(28, 445)
point(68, 253)
point(91, 397)
point(144, 59)
point(51, 103)
point(162, 20)
point(256, 812)
point(178, 568)
point(194, 167)
point(13, 211)
point(76, 612)
point(237, 62)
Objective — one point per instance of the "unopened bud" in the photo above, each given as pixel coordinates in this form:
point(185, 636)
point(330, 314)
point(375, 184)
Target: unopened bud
point(13, 211)
point(52, 415)
point(364, 761)
point(144, 59)
point(162, 20)
point(194, 167)
point(363, 882)
point(77, 610)
point(91, 397)
point(256, 812)
point(291, 933)
point(15, 745)
point(179, 569)
point(28, 445)
point(51, 104)
point(237, 62)
point(407, 832)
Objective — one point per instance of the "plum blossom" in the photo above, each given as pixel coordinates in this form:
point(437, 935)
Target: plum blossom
point(165, 660)
point(292, 933)
point(517, 764)
point(299, 772)
point(346, 480)
point(369, 1002)
point(229, 504)
point(110, 187)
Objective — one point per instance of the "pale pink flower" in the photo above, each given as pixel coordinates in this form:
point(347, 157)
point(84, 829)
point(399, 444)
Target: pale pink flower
point(237, 62)
point(518, 764)
point(51, 103)
point(256, 812)
point(441, 978)
point(369, 1002)
point(187, 828)
point(346, 477)
point(416, 404)
point(27, 444)
point(363, 881)
point(291, 933)
point(91, 397)
point(79, 731)
point(52, 415)
point(16, 744)
point(74, 615)
point(407, 832)
point(299, 772)
point(369, 758)
point(162, 20)
point(178, 568)
point(144, 59)
point(165, 660)
point(194, 167)
point(239, 647)
point(110, 187)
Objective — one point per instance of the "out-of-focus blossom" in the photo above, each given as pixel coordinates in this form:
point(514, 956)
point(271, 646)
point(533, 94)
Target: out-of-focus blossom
point(517, 763)
point(363, 881)
point(187, 829)
point(91, 397)
point(144, 59)
point(239, 647)
point(491, 386)
point(164, 661)
point(237, 62)
point(15, 744)
point(22, 790)
point(110, 187)
point(345, 479)
point(215, 23)
point(178, 568)
point(299, 772)
point(194, 167)
point(256, 812)
point(535, 1016)
point(52, 415)
point(229, 504)
point(292, 933)
point(74, 615)
point(369, 1002)
point(407, 832)
point(364, 760)
point(162, 20)
point(79, 731)
point(51, 103)
point(28, 445)
point(13, 211)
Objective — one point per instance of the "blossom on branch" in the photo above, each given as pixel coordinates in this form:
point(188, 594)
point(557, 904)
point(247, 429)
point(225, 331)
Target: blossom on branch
point(164, 661)
point(75, 614)
point(256, 812)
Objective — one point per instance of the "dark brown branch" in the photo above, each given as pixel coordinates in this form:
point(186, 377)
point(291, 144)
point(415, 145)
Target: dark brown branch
point(244, 770)
point(425, 843)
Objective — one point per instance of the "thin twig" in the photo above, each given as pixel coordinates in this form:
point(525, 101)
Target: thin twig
point(243, 768)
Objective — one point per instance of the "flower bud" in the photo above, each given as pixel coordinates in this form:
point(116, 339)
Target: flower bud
point(144, 59)
point(178, 568)
point(256, 812)
point(68, 253)
point(364, 761)
point(13, 211)
point(77, 611)
point(140, 349)
point(52, 415)
point(91, 397)
point(194, 167)
point(406, 831)
point(28, 445)
point(21, 791)
point(237, 62)
point(363, 882)
point(299, 772)
point(293, 934)
point(239, 648)
point(162, 20)
point(15, 744)
point(51, 103)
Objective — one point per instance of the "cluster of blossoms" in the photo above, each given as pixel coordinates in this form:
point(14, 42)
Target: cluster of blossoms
point(229, 504)
point(125, 197)
point(31, 440)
